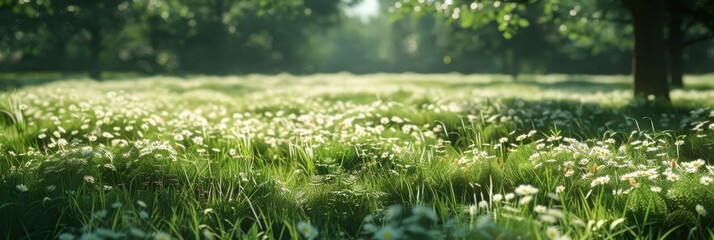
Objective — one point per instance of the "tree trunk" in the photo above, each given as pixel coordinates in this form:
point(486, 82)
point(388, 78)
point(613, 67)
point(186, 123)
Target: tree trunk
point(676, 45)
point(61, 53)
point(95, 48)
point(510, 63)
point(649, 64)
point(154, 42)
point(221, 35)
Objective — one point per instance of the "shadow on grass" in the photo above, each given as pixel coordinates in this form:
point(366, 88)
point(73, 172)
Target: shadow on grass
point(511, 117)
point(568, 85)
point(10, 81)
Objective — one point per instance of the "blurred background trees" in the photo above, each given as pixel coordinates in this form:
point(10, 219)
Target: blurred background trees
point(310, 36)
point(656, 60)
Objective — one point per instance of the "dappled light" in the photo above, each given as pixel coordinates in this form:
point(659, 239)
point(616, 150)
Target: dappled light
point(356, 119)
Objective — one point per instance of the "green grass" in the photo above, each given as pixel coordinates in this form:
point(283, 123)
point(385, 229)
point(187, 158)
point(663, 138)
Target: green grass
point(406, 156)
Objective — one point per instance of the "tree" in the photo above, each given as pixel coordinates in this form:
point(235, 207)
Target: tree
point(649, 63)
point(649, 67)
point(690, 22)
point(99, 20)
point(215, 36)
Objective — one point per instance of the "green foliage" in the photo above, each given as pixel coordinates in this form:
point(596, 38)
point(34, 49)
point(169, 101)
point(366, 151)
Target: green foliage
point(162, 36)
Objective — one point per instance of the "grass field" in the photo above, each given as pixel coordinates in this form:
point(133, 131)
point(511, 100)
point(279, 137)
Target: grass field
point(341, 156)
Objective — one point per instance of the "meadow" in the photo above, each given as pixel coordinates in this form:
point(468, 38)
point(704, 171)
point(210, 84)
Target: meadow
point(339, 156)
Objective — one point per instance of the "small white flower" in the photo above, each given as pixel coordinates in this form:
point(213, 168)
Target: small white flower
point(307, 230)
point(423, 211)
point(526, 190)
point(672, 177)
point(137, 232)
point(66, 236)
point(178, 137)
point(393, 211)
point(100, 214)
point(162, 236)
point(22, 188)
point(510, 196)
point(497, 198)
point(90, 236)
point(108, 233)
point(600, 181)
point(564, 237)
point(89, 179)
point(705, 180)
point(555, 213)
point(540, 209)
point(473, 210)
point(525, 200)
point(559, 189)
point(569, 172)
point(656, 189)
point(483, 204)
point(388, 233)
point(107, 135)
point(552, 232)
point(700, 209)
point(384, 121)
point(548, 219)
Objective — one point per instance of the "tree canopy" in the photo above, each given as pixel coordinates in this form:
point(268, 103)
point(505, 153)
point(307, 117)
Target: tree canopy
point(308, 36)
point(590, 23)
point(159, 36)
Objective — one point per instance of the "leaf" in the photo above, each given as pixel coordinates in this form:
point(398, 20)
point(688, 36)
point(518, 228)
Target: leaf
point(502, 26)
point(467, 20)
point(507, 35)
point(523, 22)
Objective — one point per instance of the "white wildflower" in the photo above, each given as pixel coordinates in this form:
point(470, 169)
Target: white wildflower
point(162, 236)
point(497, 198)
point(526, 190)
point(388, 233)
point(307, 230)
point(22, 188)
point(552, 232)
point(600, 181)
point(510, 196)
point(700, 209)
point(89, 179)
point(525, 200)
